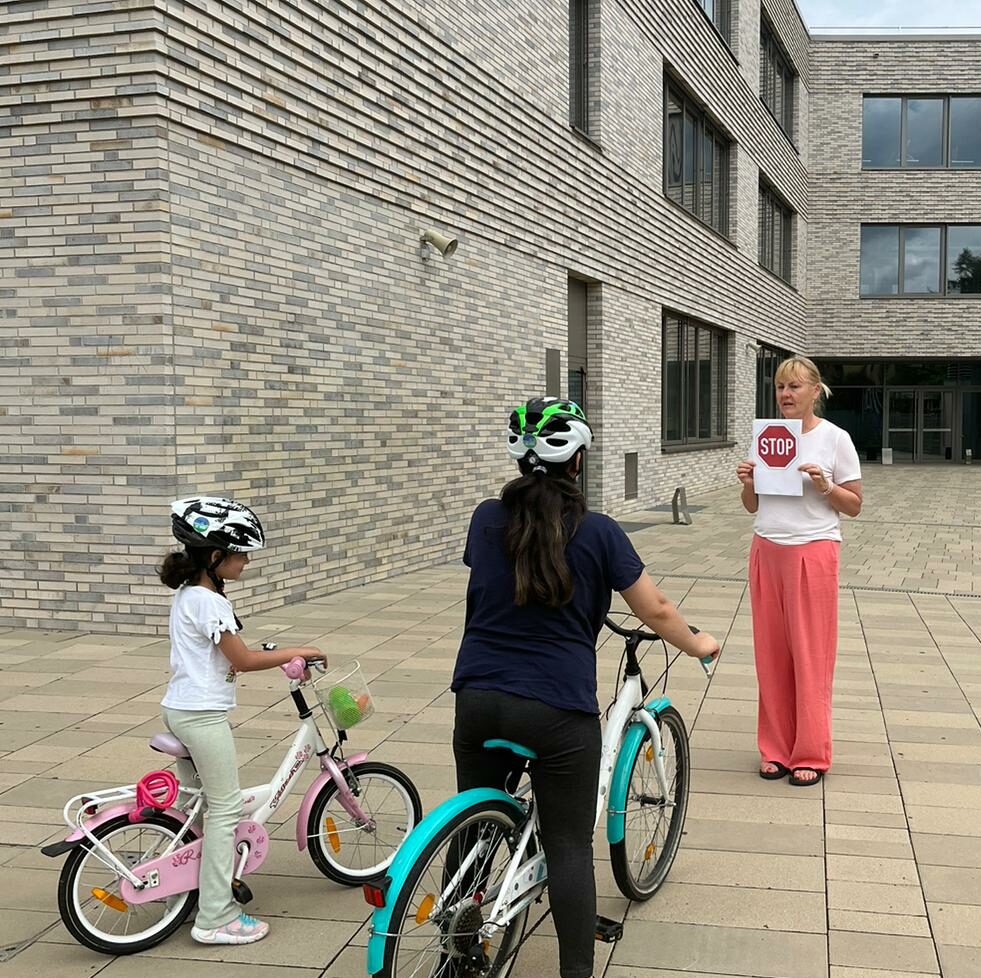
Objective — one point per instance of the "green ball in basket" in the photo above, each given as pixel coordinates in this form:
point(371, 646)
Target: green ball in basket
point(344, 707)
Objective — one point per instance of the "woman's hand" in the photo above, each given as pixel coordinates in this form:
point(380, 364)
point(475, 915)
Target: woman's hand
point(744, 473)
point(818, 478)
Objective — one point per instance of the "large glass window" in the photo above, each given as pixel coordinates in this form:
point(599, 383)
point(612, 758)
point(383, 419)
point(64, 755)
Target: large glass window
point(717, 11)
point(921, 131)
point(694, 382)
point(965, 132)
point(964, 260)
point(776, 233)
point(882, 131)
point(768, 358)
point(777, 78)
point(920, 260)
point(696, 163)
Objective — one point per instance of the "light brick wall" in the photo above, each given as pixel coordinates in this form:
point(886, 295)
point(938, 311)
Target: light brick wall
point(844, 197)
point(257, 179)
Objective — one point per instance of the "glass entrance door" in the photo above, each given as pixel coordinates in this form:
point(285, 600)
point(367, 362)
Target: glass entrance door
point(920, 425)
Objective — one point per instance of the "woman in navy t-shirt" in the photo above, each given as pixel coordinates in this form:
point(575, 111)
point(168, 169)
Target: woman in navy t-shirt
point(542, 574)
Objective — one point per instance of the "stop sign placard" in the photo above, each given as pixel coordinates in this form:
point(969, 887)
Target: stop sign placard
point(776, 445)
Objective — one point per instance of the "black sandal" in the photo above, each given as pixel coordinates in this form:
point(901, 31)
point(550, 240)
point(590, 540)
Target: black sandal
point(805, 783)
point(781, 771)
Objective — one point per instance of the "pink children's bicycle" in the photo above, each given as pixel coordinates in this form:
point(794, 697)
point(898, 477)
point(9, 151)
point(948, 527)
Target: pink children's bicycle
point(131, 876)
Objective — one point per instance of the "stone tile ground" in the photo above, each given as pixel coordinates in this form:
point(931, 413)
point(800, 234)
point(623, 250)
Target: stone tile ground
point(874, 874)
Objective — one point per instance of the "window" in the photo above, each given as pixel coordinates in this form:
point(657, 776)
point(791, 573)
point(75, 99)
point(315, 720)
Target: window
point(579, 11)
point(696, 164)
point(920, 260)
point(768, 358)
point(776, 79)
point(694, 387)
point(921, 131)
point(776, 233)
point(717, 11)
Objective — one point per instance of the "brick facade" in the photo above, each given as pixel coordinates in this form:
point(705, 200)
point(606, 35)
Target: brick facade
point(212, 278)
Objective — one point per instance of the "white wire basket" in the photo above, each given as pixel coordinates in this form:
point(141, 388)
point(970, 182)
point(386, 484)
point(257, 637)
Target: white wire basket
point(344, 695)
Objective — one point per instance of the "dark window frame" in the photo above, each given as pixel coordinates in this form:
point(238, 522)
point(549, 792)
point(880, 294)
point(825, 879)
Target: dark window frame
point(776, 63)
point(768, 358)
point(686, 397)
point(720, 18)
point(944, 292)
point(579, 13)
point(772, 203)
point(904, 128)
point(705, 126)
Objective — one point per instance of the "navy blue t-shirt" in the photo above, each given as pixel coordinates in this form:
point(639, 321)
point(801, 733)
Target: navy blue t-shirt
point(542, 653)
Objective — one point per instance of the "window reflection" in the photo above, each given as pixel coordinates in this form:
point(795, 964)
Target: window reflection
point(965, 132)
point(921, 261)
point(880, 131)
point(924, 131)
point(880, 260)
point(964, 260)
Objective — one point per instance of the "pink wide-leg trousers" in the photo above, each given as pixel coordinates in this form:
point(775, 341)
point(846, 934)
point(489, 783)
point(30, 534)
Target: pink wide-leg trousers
point(794, 593)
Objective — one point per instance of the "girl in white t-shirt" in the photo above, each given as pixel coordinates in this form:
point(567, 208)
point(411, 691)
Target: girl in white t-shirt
point(206, 655)
point(793, 584)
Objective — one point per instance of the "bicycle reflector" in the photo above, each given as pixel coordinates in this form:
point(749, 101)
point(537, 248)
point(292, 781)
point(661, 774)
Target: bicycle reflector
point(376, 890)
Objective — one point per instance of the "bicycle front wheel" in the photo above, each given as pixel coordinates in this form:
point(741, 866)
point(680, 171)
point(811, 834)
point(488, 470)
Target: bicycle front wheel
point(89, 897)
point(653, 822)
point(350, 850)
point(443, 904)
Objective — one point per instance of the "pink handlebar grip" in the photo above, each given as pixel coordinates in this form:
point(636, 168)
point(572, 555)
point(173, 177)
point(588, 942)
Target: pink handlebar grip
point(295, 667)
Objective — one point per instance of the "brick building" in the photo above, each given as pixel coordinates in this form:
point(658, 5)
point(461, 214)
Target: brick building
point(213, 280)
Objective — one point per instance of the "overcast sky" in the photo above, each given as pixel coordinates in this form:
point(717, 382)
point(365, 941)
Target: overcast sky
point(891, 13)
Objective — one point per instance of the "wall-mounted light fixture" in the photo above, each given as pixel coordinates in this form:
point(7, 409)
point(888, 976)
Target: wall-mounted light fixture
point(433, 239)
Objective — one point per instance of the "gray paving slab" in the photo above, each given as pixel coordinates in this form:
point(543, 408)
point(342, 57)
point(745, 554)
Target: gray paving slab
point(873, 874)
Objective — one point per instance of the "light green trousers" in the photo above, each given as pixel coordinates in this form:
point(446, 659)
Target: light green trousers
point(208, 736)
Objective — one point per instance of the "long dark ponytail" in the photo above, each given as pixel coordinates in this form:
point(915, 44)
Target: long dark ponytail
point(544, 512)
point(184, 566)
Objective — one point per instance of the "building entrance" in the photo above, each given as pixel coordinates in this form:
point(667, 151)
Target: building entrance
point(919, 425)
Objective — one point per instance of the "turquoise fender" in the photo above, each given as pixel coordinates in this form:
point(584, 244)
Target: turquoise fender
point(410, 851)
point(615, 817)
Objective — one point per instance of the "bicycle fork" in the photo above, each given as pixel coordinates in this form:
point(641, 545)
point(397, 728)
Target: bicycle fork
point(657, 758)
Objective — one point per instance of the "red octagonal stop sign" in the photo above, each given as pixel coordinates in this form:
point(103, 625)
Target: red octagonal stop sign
point(777, 446)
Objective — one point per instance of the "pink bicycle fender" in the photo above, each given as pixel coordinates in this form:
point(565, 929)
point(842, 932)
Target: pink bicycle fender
point(329, 767)
point(115, 812)
point(178, 871)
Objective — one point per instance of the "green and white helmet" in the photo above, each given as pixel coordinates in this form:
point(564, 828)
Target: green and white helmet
point(550, 428)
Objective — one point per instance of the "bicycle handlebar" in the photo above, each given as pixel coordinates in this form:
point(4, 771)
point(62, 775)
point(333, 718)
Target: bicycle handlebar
point(637, 632)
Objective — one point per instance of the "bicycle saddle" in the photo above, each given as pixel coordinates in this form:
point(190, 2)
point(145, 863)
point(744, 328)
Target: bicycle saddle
point(167, 743)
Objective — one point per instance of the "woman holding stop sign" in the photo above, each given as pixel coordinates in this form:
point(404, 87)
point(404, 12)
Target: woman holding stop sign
point(793, 583)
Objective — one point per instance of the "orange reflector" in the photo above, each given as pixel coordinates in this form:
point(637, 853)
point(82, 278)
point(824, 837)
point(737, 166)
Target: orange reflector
point(425, 908)
point(109, 900)
point(649, 852)
point(649, 754)
point(331, 829)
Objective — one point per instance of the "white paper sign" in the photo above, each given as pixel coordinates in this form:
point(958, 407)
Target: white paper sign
point(776, 452)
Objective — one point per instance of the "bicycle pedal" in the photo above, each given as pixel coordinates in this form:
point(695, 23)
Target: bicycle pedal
point(241, 892)
point(608, 931)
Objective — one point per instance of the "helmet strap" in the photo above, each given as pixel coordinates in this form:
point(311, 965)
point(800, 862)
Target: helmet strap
point(219, 584)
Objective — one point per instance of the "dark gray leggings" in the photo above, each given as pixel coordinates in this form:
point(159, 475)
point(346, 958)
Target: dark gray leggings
point(565, 778)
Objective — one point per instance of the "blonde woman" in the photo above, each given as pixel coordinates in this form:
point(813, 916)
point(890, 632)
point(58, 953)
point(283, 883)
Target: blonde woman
point(793, 583)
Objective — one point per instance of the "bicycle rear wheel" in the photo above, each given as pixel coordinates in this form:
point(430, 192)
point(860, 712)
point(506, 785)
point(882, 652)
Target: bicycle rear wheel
point(444, 941)
point(653, 824)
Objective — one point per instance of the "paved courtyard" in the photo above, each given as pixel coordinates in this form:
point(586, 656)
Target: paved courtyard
point(876, 873)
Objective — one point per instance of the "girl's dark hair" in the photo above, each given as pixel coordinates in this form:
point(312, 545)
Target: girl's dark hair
point(184, 566)
point(544, 512)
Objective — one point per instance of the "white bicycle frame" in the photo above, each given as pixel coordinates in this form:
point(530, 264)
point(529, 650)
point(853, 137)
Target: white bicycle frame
point(525, 879)
point(258, 803)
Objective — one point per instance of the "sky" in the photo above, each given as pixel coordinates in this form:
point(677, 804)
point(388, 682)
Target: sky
point(891, 13)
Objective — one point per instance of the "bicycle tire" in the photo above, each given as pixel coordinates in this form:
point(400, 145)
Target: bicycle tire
point(318, 838)
point(633, 883)
point(486, 812)
point(70, 907)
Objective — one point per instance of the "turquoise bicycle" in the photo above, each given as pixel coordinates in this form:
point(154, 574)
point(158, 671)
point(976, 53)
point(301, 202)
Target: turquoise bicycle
point(456, 899)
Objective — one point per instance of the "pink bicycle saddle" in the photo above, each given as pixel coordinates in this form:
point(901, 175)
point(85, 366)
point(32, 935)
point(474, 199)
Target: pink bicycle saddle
point(167, 743)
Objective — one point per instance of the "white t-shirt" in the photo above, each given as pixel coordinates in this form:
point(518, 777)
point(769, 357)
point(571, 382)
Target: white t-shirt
point(803, 519)
point(201, 677)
